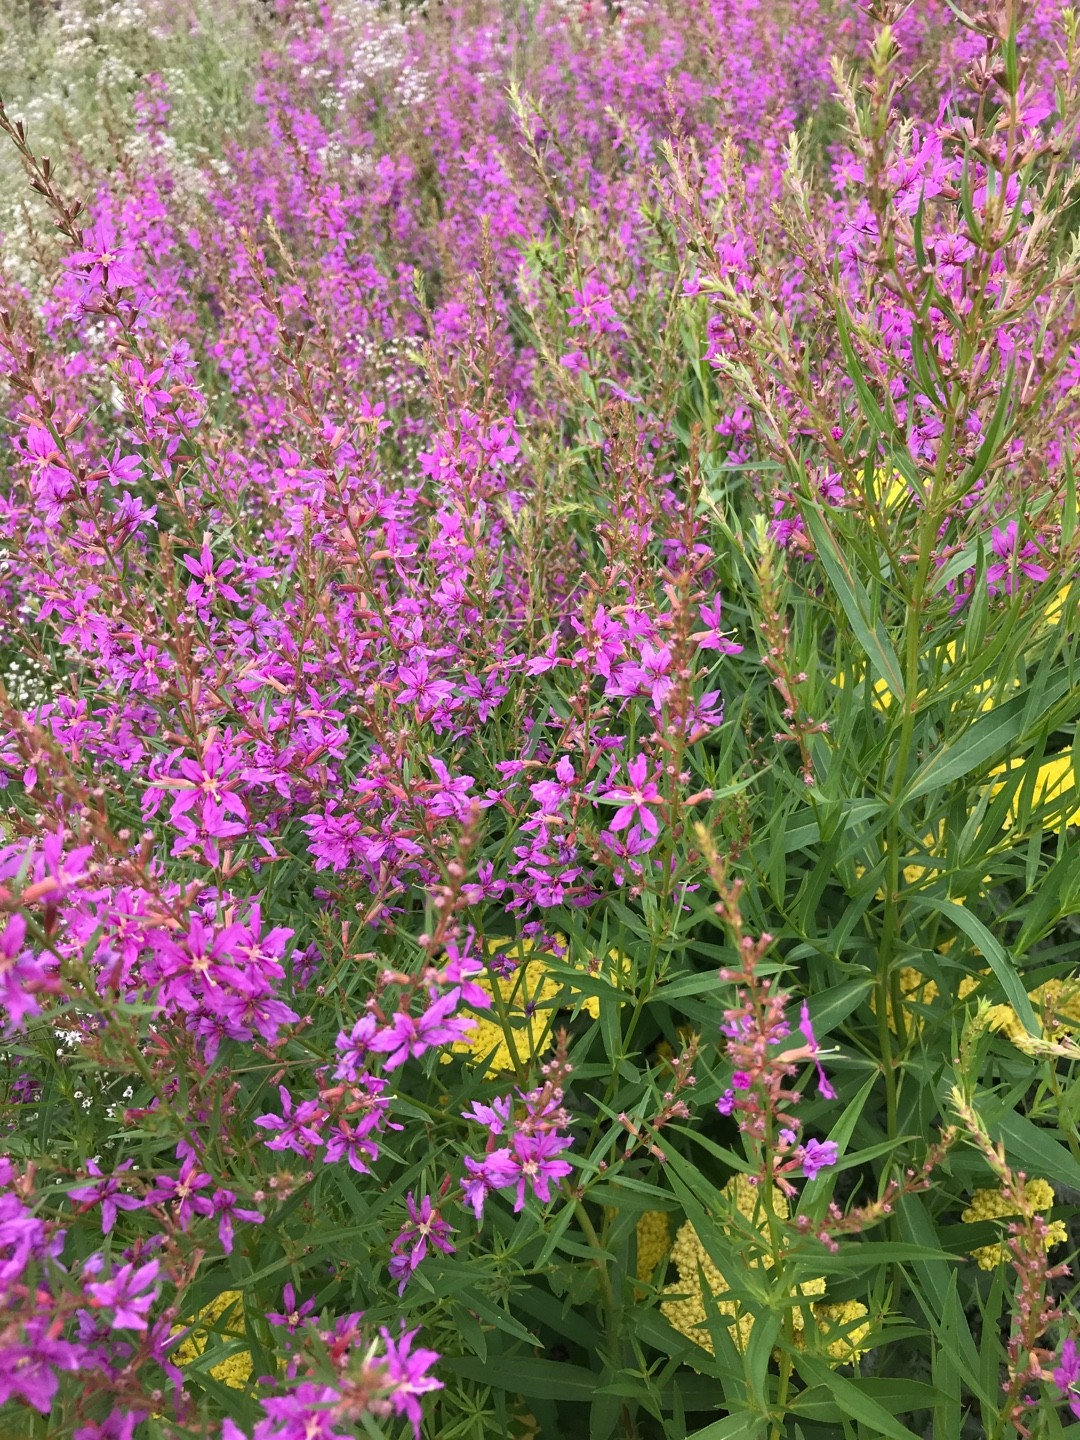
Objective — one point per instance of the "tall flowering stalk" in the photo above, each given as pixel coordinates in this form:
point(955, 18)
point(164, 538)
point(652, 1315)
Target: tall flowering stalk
point(764, 1052)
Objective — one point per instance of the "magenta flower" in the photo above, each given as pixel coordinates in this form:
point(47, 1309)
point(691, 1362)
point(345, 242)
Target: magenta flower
point(306, 1413)
point(1067, 1374)
point(818, 1155)
point(105, 261)
point(204, 833)
point(128, 1295)
point(450, 799)
point(592, 308)
point(410, 1246)
point(419, 688)
point(807, 1028)
point(496, 1170)
point(22, 975)
point(406, 1374)
point(495, 1117)
point(108, 1194)
point(550, 794)
point(30, 1366)
point(149, 395)
point(634, 799)
point(353, 1047)
point(1012, 556)
point(408, 1035)
point(297, 1129)
point(293, 1316)
point(209, 583)
point(713, 638)
point(539, 1162)
point(227, 1211)
point(117, 1425)
point(183, 1191)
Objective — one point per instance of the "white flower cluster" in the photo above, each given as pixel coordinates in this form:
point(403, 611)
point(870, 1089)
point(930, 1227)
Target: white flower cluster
point(25, 681)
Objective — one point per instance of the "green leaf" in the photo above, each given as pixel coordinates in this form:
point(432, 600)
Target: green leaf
point(992, 436)
point(986, 737)
point(872, 411)
point(1034, 1148)
point(1004, 970)
point(817, 1403)
point(527, 1375)
point(1057, 895)
point(855, 602)
point(732, 1427)
point(829, 1007)
point(853, 1400)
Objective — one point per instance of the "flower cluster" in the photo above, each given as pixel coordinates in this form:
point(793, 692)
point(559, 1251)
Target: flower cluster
point(995, 1205)
point(701, 1286)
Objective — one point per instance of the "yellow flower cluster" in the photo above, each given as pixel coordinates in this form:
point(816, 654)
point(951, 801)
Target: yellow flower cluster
point(1056, 1004)
point(992, 1205)
point(653, 1242)
point(844, 1328)
point(529, 996)
point(1056, 607)
point(841, 1326)
point(1055, 784)
point(891, 488)
point(235, 1369)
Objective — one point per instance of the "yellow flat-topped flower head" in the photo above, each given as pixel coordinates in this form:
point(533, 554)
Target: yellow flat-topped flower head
point(844, 1328)
point(699, 1274)
point(1057, 1008)
point(213, 1325)
point(915, 989)
point(993, 1205)
point(881, 697)
point(529, 995)
point(1056, 609)
point(653, 1242)
point(1055, 785)
point(890, 488)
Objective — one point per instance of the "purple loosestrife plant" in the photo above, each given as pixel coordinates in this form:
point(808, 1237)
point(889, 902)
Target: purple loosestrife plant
point(485, 495)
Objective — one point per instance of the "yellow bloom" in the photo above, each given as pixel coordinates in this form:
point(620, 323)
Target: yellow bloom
point(882, 697)
point(1056, 1004)
point(1059, 1002)
point(843, 1328)
point(992, 1205)
point(1055, 784)
point(1056, 608)
point(235, 1369)
point(688, 1314)
point(653, 1242)
point(530, 996)
point(891, 489)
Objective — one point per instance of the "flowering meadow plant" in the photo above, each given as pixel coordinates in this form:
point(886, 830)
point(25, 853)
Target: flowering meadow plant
point(539, 698)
